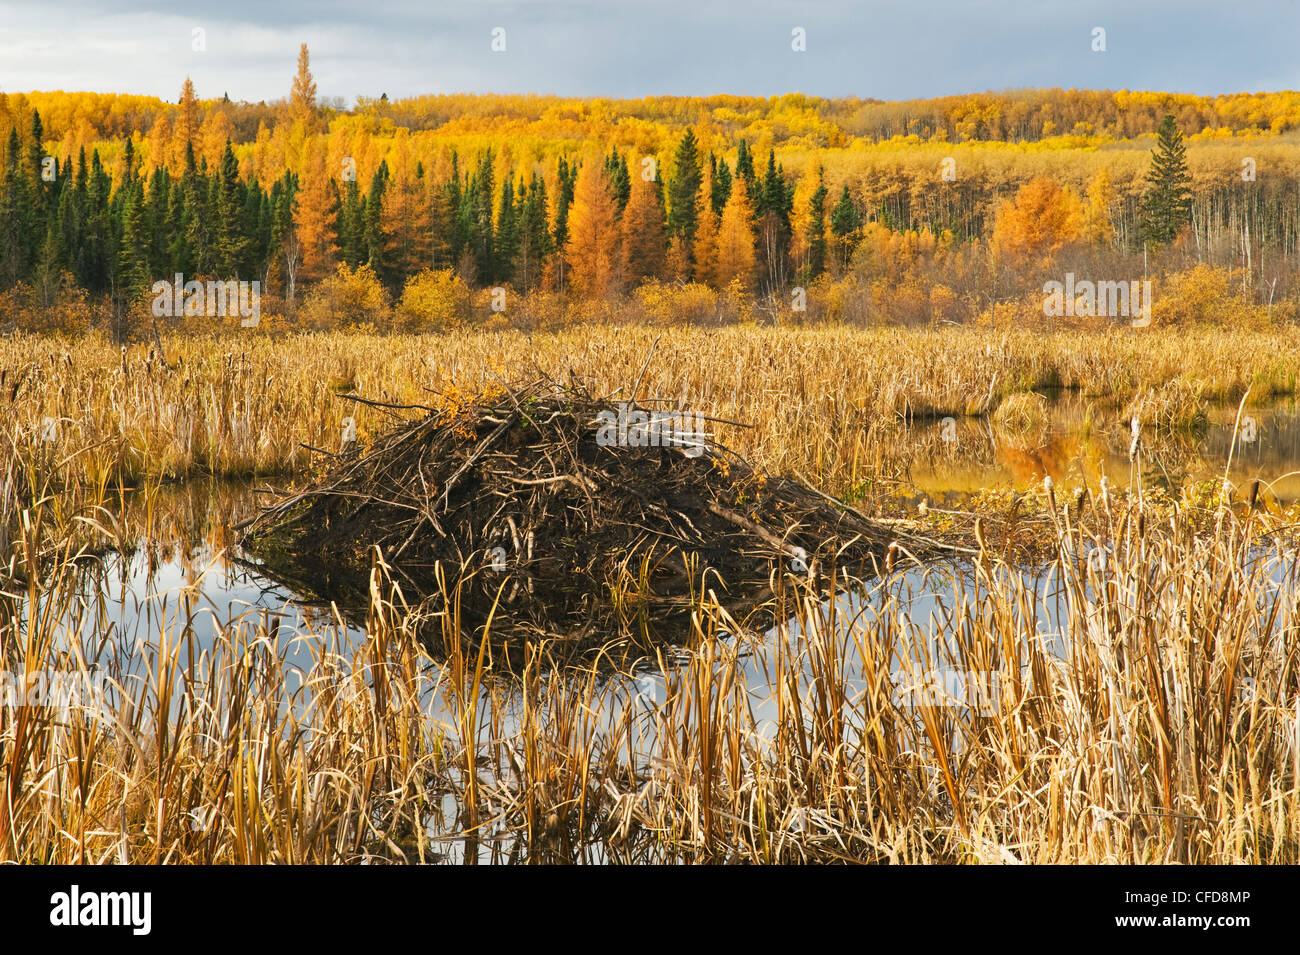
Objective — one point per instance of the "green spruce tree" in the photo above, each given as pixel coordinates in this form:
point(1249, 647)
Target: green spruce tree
point(1167, 205)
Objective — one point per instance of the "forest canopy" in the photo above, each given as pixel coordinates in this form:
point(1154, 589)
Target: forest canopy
point(953, 204)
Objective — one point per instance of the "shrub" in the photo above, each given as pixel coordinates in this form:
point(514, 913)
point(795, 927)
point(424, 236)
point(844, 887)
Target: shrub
point(1205, 294)
point(668, 303)
point(433, 301)
point(350, 298)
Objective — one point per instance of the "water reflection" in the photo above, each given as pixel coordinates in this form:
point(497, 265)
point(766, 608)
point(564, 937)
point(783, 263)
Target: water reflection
point(184, 583)
point(1082, 439)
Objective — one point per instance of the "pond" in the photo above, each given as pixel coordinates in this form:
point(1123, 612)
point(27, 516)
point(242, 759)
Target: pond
point(188, 580)
point(1080, 439)
point(190, 577)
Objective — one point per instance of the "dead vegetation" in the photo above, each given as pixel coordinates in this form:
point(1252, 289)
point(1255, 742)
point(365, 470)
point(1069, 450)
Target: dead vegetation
point(544, 511)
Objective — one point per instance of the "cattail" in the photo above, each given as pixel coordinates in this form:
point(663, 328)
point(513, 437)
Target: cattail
point(1050, 487)
point(1136, 427)
point(1254, 493)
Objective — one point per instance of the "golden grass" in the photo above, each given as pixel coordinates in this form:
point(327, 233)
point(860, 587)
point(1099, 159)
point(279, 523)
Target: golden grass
point(1165, 728)
point(1023, 415)
point(820, 400)
point(1172, 407)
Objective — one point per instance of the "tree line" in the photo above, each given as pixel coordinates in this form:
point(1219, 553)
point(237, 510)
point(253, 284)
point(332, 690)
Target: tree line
point(299, 201)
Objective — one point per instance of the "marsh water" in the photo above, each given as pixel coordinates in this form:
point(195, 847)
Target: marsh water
point(189, 577)
point(190, 572)
point(1082, 440)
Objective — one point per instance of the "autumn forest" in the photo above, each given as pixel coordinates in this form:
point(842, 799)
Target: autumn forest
point(439, 211)
point(525, 478)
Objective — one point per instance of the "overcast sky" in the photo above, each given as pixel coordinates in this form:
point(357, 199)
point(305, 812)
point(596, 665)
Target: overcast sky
point(618, 48)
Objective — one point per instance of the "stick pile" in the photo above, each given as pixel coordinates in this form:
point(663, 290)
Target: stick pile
point(575, 518)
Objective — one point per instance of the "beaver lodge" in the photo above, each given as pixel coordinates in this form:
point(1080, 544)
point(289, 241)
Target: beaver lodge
point(542, 511)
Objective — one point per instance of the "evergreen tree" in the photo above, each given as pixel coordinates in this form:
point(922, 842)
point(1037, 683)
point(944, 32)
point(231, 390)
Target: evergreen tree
point(507, 234)
point(772, 210)
point(684, 188)
point(38, 189)
point(374, 237)
point(436, 215)
point(133, 274)
point(458, 231)
point(352, 248)
point(568, 177)
point(720, 186)
point(198, 218)
point(15, 217)
point(478, 201)
point(1167, 205)
point(816, 232)
point(180, 257)
point(535, 243)
point(745, 170)
point(71, 213)
point(846, 220)
point(620, 182)
point(231, 239)
point(156, 224)
point(96, 253)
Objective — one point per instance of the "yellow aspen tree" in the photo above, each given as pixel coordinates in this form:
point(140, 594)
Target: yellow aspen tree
point(263, 169)
point(1097, 225)
point(213, 133)
point(158, 144)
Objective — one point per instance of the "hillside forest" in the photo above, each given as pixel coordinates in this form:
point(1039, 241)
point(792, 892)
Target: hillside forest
point(443, 211)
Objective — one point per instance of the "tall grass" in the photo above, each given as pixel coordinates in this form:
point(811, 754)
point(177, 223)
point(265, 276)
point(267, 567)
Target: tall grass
point(821, 401)
point(1147, 709)
point(1147, 704)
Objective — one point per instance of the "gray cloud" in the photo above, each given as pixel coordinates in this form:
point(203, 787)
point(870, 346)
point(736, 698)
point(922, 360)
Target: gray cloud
point(589, 48)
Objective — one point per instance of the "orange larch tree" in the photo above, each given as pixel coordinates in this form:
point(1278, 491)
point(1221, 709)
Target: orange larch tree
point(186, 131)
point(592, 246)
point(736, 258)
point(302, 96)
point(314, 217)
point(706, 241)
point(645, 244)
point(1043, 217)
